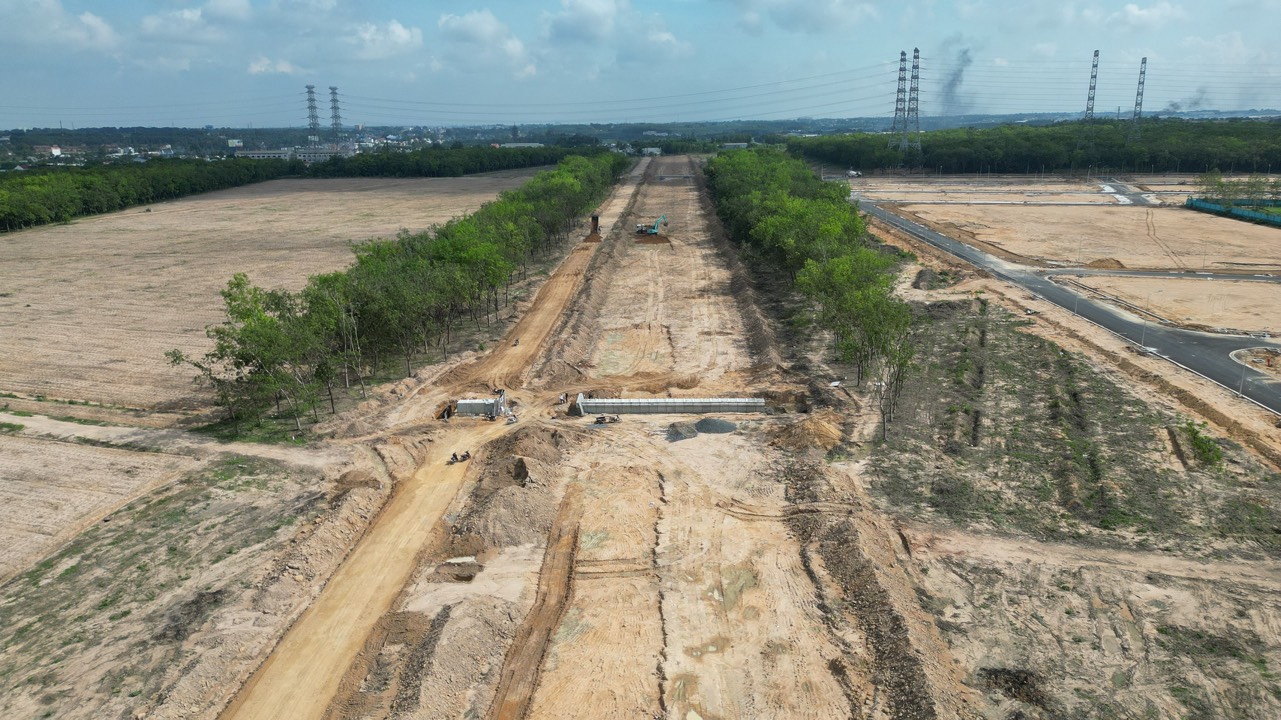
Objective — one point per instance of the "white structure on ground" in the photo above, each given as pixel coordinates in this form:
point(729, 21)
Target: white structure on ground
point(659, 406)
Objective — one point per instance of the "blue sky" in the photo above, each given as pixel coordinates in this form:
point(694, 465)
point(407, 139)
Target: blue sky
point(240, 62)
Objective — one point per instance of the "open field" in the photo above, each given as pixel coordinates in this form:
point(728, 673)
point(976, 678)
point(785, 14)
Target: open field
point(89, 308)
point(1240, 305)
point(1033, 538)
point(1135, 237)
point(1002, 190)
point(52, 490)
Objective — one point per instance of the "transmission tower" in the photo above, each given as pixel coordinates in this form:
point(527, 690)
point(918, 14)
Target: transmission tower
point(335, 117)
point(1138, 103)
point(912, 127)
point(1085, 139)
point(1094, 81)
point(313, 117)
point(900, 103)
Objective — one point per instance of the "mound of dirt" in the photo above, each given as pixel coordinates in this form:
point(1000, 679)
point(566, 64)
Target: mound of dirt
point(512, 515)
point(715, 426)
point(820, 430)
point(512, 504)
point(1105, 264)
point(653, 240)
point(681, 431)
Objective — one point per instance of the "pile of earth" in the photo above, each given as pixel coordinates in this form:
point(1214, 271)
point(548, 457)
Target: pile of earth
point(715, 426)
point(820, 430)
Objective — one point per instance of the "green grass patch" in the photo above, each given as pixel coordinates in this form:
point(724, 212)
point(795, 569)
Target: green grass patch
point(10, 427)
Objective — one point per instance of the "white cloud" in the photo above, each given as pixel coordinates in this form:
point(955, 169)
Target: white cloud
point(379, 42)
point(41, 22)
point(1151, 17)
point(1046, 49)
point(184, 27)
point(479, 40)
point(263, 65)
point(584, 20)
point(805, 16)
point(229, 10)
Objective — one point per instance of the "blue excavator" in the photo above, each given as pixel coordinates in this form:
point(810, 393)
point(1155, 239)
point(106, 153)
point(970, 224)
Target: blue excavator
point(647, 229)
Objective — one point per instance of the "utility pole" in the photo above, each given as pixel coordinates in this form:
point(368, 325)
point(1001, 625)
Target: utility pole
point(313, 116)
point(1138, 103)
point(335, 117)
point(1094, 82)
point(912, 128)
point(899, 125)
point(1086, 139)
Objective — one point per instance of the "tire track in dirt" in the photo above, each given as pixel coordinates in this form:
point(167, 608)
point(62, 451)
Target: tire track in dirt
point(304, 672)
point(1150, 220)
point(519, 677)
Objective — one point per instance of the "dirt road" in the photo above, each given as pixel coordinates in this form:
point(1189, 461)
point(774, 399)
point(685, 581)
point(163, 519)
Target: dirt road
point(304, 672)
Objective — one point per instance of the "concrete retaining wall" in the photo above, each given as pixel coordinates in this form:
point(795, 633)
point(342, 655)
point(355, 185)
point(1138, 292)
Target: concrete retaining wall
point(658, 406)
point(486, 407)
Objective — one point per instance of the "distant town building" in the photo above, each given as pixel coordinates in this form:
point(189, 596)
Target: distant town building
point(651, 151)
point(734, 146)
point(235, 143)
point(307, 155)
point(521, 145)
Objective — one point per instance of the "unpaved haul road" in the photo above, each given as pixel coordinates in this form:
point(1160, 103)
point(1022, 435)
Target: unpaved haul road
point(303, 673)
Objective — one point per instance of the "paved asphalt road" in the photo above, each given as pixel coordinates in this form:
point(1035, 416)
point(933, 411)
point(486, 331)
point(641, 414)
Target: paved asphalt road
point(1204, 353)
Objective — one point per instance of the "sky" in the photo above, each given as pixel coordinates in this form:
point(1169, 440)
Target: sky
point(241, 63)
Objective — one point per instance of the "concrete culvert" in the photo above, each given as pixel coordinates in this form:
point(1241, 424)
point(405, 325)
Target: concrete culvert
point(715, 425)
point(681, 431)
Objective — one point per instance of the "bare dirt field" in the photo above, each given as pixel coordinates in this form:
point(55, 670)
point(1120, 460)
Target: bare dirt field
point(89, 308)
point(1005, 190)
point(1248, 306)
point(53, 490)
point(1135, 237)
point(1038, 535)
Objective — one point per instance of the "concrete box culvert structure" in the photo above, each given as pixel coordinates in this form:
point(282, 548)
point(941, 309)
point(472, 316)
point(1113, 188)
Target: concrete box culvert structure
point(482, 407)
point(665, 406)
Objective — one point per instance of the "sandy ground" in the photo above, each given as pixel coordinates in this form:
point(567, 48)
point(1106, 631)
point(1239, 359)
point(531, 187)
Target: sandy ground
point(1237, 305)
point(89, 308)
point(665, 311)
point(604, 571)
point(1137, 237)
point(49, 491)
point(303, 674)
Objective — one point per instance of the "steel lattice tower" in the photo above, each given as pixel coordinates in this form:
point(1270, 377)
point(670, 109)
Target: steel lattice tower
point(335, 117)
point(900, 102)
point(313, 116)
point(912, 124)
point(1138, 101)
point(1094, 81)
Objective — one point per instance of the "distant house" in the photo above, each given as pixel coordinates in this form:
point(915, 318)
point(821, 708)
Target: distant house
point(521, 145)
point(734, 146)
point(651, 151)
point(281, 154)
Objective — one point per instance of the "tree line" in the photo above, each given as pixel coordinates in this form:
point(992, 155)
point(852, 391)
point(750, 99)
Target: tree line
point(38, 197)
point(1253, 191)
point(1163, 145)
point(787, 219)
point(402, 298)
point(439, 161)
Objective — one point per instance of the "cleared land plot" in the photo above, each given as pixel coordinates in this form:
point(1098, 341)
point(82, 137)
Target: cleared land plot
point(1243, 305)
point(669, 307)
point(1136, 237)
point(50, 490)
point(90, 308)
point(979, 191)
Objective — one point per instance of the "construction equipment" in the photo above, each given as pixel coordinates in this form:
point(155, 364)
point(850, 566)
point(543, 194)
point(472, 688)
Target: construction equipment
point(647, 229)
point(606, 419)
